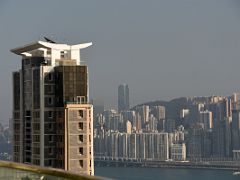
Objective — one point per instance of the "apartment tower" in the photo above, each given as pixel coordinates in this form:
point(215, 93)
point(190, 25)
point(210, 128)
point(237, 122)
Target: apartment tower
point(52, 119)
point(123, 97)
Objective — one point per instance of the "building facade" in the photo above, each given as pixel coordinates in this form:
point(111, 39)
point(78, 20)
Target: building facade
point(178, 152)
point(52, 120)
point(205, 117)
point(123, 97)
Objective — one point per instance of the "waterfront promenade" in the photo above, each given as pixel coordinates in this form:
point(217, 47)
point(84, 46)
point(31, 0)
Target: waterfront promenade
point(203, 164)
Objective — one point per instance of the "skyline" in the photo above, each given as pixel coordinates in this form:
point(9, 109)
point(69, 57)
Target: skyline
point(162, 50)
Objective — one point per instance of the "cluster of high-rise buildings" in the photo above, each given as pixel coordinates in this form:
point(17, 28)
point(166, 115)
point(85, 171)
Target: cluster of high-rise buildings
point(138, 134)
point(191, 128)
point(142, 133)
point(141, 146)
point(53, 126)
point(52, 118)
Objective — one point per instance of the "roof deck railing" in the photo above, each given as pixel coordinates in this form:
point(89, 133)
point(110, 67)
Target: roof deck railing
point(17, 171)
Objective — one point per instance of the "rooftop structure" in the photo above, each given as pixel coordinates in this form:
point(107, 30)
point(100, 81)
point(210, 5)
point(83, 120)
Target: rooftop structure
point(52, 51)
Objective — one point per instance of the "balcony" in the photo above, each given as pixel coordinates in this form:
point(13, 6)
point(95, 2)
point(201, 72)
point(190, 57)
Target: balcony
point(16, 171)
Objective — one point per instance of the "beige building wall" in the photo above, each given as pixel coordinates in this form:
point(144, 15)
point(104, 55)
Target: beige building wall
point(128, 127)
point(78, 138)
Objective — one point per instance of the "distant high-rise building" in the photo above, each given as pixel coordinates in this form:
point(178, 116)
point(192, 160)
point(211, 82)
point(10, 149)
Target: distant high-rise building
point(234, 97)
point(144, 113)
point(184, 113)
point(236, 129)
point(221, 134)
point(170, 125)
point(123, 97)
point(52, 119)
point(178, 152)
point(152, 124)
point(159, 112)
point(137, 123)
point(128, 127)
point(195, 141)
point(205, 117)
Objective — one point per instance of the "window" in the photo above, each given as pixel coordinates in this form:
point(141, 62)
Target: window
point(81, 163)
point(80, 113)
point(50, 138)
point(36, 150)
point(48, 52)
point(28, 118)
point(80, 126)
point(80, 99)
point(36, 162)
point(50, 150)
point(81, 150)
point(16, 148)
point(28, 160)
point(36, 138)
point(27, 61)
point(28, 113)
point(16, 115)
point(50, 76)
point(50, 126)
point(36, 114)
point(50, 101)
point(62, 54)
point(28, 125)
point(16, 138)
point(36, 126)
point(16, 127)
point(49, 89)
point(50, 114)
point(80, 138)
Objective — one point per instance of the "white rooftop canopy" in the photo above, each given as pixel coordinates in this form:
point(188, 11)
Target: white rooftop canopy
point(48, 45)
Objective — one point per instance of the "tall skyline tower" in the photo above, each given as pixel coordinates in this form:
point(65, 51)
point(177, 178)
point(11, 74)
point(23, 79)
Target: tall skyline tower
point(123, 97)
point(52, 119)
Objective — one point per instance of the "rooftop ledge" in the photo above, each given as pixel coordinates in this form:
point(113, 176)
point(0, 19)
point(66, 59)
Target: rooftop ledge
point(48, 45)
point(11, 170)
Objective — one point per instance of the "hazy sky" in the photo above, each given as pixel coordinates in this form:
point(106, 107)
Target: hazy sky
point(161, 48)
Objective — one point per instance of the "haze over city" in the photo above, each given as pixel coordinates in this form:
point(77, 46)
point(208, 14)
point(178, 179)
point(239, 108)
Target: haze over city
point(161, 49)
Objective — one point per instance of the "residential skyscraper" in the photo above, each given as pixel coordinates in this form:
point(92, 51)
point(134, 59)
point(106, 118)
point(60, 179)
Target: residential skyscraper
point(123, 97)
point(235, 129)
point(144, 111)
point(205, 117)
point(159, 112)
point(52, 119)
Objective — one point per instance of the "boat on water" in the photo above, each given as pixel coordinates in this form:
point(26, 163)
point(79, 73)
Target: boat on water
point(236, 173)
